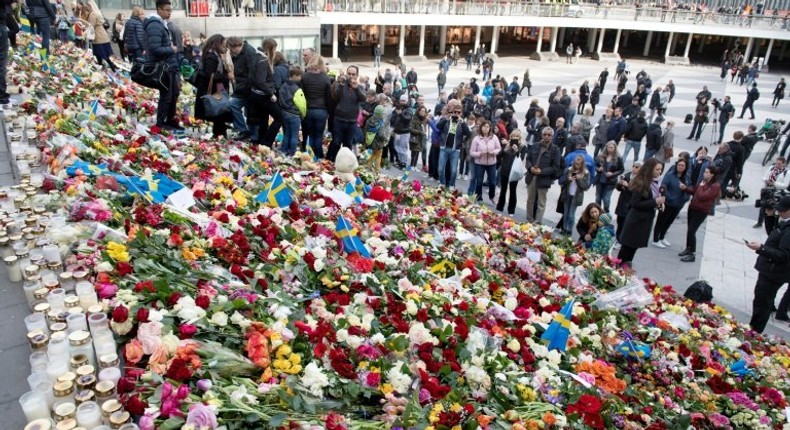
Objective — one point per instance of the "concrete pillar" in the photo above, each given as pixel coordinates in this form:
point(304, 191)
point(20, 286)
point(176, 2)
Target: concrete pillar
point(626, 37)
point(383, 37)
point(334, 41)
point(562, 38)
point(748, 51)
point(703, 39)
point(591, 39)
point(649, 39)
point(478, 32)
point(688, 45)
point(442, 39)
point(768, 51)
point(617, 41)
point(600, 40)
point(422, 41)
point(669, 43)
point(540, 40)
point(674, 43)
point(494, 39)
point(402, 41)
point(553, 40)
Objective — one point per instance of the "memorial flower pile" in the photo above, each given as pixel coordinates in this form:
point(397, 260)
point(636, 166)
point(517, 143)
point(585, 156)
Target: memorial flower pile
point(413, 309)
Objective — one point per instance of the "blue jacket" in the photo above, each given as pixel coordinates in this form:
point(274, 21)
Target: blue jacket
point(616, 129)
point(588, 160)
point(134, 34)
point(461, 132)
point(671, 182)
point(159, 43)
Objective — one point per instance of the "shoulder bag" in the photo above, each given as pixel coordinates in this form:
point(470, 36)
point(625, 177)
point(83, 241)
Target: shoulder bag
point(518, 170)
point(151, 75)
point(216, 104)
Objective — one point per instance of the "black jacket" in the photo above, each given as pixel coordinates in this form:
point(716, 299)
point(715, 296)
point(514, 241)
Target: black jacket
point(286, 97)
point(630, 112)
point(654, 140)
point(636, 129)
point(737, 151)
point(595, 95)
point(243, 67)
point(773, 258)
point(262, 80)
point(724, 163)
point(624, 201)
point(280, 75)
point(134, 34)
point(40, 9)
point(655, 100)
point(639, 221)
point(317, 90)
point(159, 44)
point(550, 164)
point(752, 95)
point(584, 93)
point(348, 100)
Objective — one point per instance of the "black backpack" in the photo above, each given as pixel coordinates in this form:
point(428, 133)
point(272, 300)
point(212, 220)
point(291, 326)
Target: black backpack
point(700, 292)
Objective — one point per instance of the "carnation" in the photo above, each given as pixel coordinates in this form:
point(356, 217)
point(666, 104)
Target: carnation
point(219, 319)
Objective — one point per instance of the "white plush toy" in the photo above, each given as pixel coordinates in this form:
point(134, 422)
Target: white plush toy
point(345, 164)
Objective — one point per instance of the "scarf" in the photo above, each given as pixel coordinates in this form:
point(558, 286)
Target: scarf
point(774, 174)
point(221, 64)
point(654, 188)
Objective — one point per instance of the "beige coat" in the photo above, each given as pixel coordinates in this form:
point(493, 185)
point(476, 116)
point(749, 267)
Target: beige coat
point(97, 21)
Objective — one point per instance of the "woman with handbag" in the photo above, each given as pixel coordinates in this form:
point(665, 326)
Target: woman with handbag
point(575, 181)
point(263, 95)
point(667, 150)
point(511, 170)
point(484, 150)
point(117, 34)
point(212, 102)
point(646, 198)
point(100, 43)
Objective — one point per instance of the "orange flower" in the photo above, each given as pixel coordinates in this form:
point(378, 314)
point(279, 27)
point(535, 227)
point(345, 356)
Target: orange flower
point(257, 347)
point(484, 420)
point(134, 351)
point(549, 419)
point(158, 360)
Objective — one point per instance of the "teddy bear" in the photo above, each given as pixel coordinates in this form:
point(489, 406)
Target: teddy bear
point(345, 165)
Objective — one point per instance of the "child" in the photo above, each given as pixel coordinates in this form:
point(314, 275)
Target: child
point(604, 240)
point(377, 135)
point(588, 224)
point(79, 34)
point(63, 25)
point(294, 107)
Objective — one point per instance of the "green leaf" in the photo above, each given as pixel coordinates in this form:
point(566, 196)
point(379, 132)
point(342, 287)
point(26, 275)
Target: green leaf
point(173, 423)
point(278, 419)
point(252, 418)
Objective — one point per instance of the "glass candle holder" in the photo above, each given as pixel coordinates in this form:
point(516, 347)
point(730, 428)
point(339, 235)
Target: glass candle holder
point(12, 266)
point(34, 406)
point(38, 362)
point(30, 287)
point(56, 299)
point(110, 374)
point(41, 424)
point(37, 321)
point(98, 323)
point(47, 389)
point(87, 294)
point(51, 253)
point(77, 322)
point(89, 415)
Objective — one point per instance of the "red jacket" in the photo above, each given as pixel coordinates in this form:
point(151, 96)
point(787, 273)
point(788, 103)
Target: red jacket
point(705, 196)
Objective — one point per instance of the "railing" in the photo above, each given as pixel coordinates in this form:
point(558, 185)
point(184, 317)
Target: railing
point(687, 14)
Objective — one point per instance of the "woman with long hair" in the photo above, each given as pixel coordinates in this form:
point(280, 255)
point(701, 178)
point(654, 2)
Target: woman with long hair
point(484, 150)
point(677, 177)
point(102, 49)
point(645, 199)
point(213, 77)
point(702, 202)
point(587, 227)
point(575, 181)
point(609, 166)
point(117, 34)
point(418, 133)
point(263, 95)
point(317, 87)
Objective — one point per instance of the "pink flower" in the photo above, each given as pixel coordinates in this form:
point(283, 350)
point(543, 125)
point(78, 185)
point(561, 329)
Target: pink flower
point(202, 417)
point(417, 186)
point(373, 379)
point(587, 377)
point(146, 422)
point(107, 291)
point(149, 334)
point(718, 420)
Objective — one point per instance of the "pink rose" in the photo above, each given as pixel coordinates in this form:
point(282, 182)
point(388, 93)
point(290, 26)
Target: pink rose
point(146, 422)
point(149, 334)
point(107, 291)
point(202, 417)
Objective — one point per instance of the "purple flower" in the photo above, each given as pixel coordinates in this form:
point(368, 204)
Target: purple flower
point(718, 420)
point(424, 396)
point(202, 417)
point(204, 384)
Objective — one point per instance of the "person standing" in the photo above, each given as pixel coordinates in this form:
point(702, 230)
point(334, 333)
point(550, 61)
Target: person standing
point(102, 49)
point(41, 15)
point(263, 95)
point(134, 35)
point(704, 199)
point(291, 111)
point(751, 96)
point(700, 118)
point(602, 77)
point(645, 199)
point(118, 28)
point(595, 96)
point(484, 150)
point(574, 181)
point(377, 56)
point(348, 95)
point(526, 84)
point(634, 133)
point(773, 267)
point(779, 92)
point(160, 47)
point(584, 97)
point(544, 165)
point(726, 111)
point(677, 178)
point(214, 76)
point(243, 57)
point(508, 158)
point(774, 179)
point(666, 152)
point(569, 54)
point(609, 167)
point(441, 80)
point(653, 138)
point(454, 131)
point(317, 87)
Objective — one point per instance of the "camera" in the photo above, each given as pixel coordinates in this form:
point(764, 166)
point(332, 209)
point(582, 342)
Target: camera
point(716, 103)
point(769, 198)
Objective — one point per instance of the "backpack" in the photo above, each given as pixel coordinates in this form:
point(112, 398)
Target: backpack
point(699, 292)
point(756, 94)
point(603, 241)
point(300, 102)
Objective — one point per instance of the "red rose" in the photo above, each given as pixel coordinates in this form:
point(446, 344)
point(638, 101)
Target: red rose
point(126, 385)
point(123, 269)
point(178, 370)
point(173, 299)
point(203, 301)
point(175, 240)
point(120, 314)
point(142, 315)
point(186, 331)
point(373, 379)
point(135, 406)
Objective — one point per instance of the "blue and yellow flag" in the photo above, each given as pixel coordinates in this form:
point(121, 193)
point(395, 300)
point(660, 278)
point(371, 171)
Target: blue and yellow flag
point(352, 191)
point(155, 188)
point(96, 109)
point(277, 195)
point(348, 235)
point(365, 187)
point(560, 328)
point(76, 79)
point(24, 24)
point(87, 169)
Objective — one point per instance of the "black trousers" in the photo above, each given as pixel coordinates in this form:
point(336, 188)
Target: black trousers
point(626, 254)
point(748, 105)
point(505, 185)
point(764, 295)
point(696, 130)
point(664, 220)
point(784, 304)
point(696, 218)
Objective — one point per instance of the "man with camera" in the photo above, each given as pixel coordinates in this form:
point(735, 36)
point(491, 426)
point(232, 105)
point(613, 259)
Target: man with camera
point(776, 182)
point(773, 267)
point(700, 118)
point(726, 111)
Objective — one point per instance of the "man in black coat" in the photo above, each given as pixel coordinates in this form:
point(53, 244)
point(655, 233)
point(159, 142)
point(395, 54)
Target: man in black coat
point(634, 133)
point(723, 162)
point(736, 171)
point(749, 141)
point(700, 119)
point(243, 56)
point(161, 49)
point(544, 166)
point(603, 77)
point(631, 110)
point(584, 97)
point(5, 16)
point(653, 138)
point(726, 111)
point(751, 97)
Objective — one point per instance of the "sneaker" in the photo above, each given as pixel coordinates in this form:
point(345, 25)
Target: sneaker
point(685, 252)
point(688, 258)
point(665, 242)
point(658, 245)
point(616, 245)
point(758, 225)
point(782, 318)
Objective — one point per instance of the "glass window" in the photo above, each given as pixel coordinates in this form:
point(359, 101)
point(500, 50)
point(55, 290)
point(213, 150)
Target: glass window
point(291, 49)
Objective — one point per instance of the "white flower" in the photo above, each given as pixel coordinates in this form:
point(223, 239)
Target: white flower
point(156, 315)
point(319, 265)
point(240, 395)
point(513, 345)
point(341, 335)
point(314, 379)
point(170, 341)
point(354, 341)
point(378, 339)
point(219, 319)
point(239, 320)
point(122, 328)
point(279, 311)
point(400, 382)
point(319, 253)
point(511, 303)
point(188, 311)
point(419, 334)
point(104, 266)
point(411, 307)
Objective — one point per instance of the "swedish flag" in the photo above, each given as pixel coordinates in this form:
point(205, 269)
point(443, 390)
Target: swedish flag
point(559, 329)
point(365, 187)
point(96, 109)
point(278, 195)
point(76, 79)
point(310, 151)
point(348, 235)
point(87, 169)
point(155, 188)
point(352, 191)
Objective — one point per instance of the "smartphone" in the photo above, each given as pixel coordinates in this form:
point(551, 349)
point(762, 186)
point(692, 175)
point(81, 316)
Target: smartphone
point(745, 241)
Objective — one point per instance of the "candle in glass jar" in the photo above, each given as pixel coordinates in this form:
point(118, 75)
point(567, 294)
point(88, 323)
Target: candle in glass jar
point(89, 415)
point(76, 322)
point(46, 388)
point(51, 253)
point(34, 406)
point(42, 424)
point(30, 287)
point(110, 374)
point(36, 321)
point(87, 294)
point(56, 299)
point(12, 266)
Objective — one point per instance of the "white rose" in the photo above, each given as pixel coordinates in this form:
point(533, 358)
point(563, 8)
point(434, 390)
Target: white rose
point(219, 319)
point(411, 307)
point(170, 341)
point(342, 335)
point(239, 320)
point(319, 265)
point(104, 266)
point(378, 339)
point(511, 303)
point(513, 345)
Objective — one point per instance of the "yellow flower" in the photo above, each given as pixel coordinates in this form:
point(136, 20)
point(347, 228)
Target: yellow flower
point(386, 389)
point(456, 408)
point(117, 252)
point(283, 350)
point(240, 198)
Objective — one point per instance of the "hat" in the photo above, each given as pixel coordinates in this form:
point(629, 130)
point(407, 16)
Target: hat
point(605, 219)
point(404, 98)
point(784, 204)
point(379, 111)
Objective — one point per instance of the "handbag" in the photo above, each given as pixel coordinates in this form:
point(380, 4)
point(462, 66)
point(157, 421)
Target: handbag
point(217, 104)
point(517, 171)
point(151, 75)
point(90, 33)
point(668, 153)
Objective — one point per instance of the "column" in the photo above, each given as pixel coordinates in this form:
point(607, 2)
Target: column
point(443, 40)
point(562, 38)
point(553, 39)
point(383, 37)
point(600, 40)
point(334, 41)
point(782, 51)
point(540, 40)
point(617, 41)
point(402, 44)
point(703, 39)
point(768, 51)
point(669, 43)
point(688, 45)
point(756, 50)
point(591, 39)
point(646, 51)
point(674, 43)
point(494, 39)
point(422, 41)
point(478, 32)
point(626, 38)
point(748, 51)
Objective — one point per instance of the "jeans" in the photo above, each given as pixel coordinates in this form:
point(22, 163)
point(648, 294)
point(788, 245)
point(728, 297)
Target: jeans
point(490, 172)
point(377, 61)
point(664, 220)
point(344, 132)
point(569, 214)
point(44, 29)
point(166, 108)
point(570, 113)
point(722, 125)
point(764, 295)
point(448, 155)
point(603, 195)
point(649, 153)
point(632, 144)
point(4, 96)
point(316, 124)
point(696, 218)
point(237, 103)
point(291, 123)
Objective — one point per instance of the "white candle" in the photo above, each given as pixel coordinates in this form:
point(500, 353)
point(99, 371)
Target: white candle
point(51, 253)
point(89, 415)
point(34, 405)
point(110, 374)
point(37, 321)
